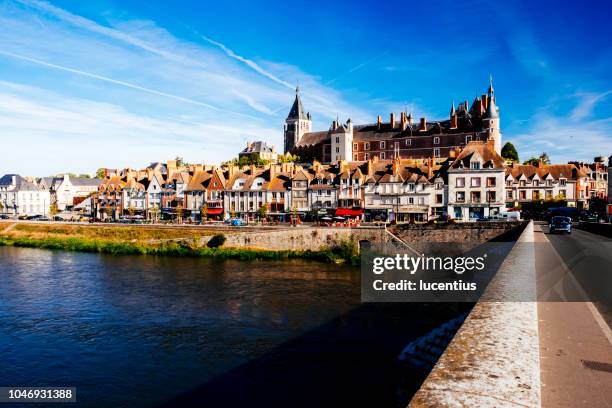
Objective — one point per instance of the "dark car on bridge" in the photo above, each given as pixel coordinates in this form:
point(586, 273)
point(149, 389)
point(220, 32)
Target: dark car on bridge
point(560, 224)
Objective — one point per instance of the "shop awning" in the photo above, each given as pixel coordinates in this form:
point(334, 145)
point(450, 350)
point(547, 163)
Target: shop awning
point(215, 211)
point(348, 212)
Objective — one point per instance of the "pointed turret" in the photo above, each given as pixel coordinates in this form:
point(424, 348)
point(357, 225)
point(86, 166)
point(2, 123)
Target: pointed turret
point(297, 110)
point(452, 112)
point(491, 92)
point(492, 110)
point(297, 123)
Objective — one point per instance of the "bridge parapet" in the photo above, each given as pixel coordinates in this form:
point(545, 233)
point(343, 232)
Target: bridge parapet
point(493, 361)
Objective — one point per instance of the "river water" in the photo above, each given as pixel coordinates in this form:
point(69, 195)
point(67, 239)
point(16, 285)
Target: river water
point(137, 331)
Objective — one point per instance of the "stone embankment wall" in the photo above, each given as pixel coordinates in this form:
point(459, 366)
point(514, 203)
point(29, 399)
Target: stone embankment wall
point(316, 238)
point(473, 232)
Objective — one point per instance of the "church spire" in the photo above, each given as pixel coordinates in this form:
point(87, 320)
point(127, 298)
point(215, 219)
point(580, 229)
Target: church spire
point(491, 92)
point(297, 110)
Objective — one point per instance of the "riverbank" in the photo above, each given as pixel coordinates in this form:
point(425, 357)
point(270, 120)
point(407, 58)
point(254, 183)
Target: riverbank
point(154, 241)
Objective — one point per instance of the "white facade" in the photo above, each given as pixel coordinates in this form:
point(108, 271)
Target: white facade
point(20, 197)
point(342, 142)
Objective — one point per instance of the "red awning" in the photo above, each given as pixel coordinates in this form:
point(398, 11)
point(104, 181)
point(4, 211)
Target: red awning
point(215, 211)
point(348, 212)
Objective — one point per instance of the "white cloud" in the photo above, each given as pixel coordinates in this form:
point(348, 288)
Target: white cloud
point(45, 133)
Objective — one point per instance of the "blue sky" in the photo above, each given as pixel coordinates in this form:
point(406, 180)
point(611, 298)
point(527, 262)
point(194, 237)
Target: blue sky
point(123, 83)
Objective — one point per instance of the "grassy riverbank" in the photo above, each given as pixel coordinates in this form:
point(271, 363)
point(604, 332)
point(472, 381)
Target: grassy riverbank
point(138, 241)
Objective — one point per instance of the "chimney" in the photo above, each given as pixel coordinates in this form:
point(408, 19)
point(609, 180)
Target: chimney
point(392, 120)
point(378, 122)
point(430, 164)
point(342, 165)
point(334, 125)
point(423, 125)
point(395, 167)
point(370, 168)
point(403, 120)
point(272, 171)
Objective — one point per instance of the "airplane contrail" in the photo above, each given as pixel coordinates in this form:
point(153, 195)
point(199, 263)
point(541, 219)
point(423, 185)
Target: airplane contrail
point(118, 82)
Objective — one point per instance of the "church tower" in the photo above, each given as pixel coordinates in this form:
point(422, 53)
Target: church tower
point(490, 121)
point(297, 123)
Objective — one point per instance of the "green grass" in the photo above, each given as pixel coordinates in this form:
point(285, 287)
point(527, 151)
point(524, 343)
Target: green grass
point(175, 249)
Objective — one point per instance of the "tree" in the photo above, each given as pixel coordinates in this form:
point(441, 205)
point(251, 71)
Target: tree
point(509, 152)
point(179, 214)
point(204, 212)
point(263, 211)
point(535, 160)
point(53, 209)
point(100, 173)
point(154, 213)
point(131, 211)
point(84, 176)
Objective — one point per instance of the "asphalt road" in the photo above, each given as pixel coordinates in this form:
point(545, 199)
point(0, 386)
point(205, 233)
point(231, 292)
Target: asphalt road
point(589, 258)
point(575, 339)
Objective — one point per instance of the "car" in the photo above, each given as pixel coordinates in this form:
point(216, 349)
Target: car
point(4, 217)
point(42, 218)
point(559, 223)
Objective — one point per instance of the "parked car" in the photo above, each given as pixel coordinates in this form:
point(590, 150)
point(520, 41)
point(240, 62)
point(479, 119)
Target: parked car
point(42, 218)
point(4, 217)
point(560, 224)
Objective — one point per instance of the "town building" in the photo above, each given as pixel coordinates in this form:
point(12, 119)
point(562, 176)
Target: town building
point(21, 197)
point(598, 177)
point(544, 182)
point(476, 182)
point(259, 150)
point(67, 191)
point(400, 137)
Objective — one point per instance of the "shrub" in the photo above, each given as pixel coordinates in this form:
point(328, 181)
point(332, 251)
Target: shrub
point(216, 241)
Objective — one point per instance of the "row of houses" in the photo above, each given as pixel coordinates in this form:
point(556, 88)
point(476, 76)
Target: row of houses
point(471, 183)
point(42, 196)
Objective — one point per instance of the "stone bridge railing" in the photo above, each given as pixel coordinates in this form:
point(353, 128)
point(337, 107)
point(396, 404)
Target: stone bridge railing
point(493, 360)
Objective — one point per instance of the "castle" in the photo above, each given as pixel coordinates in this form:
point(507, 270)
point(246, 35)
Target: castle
point(399, 138)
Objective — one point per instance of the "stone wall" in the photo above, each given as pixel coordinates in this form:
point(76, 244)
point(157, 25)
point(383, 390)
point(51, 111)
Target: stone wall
point(316, 238)
point(473, 233)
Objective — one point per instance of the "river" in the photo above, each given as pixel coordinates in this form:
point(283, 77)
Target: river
point(137, 331)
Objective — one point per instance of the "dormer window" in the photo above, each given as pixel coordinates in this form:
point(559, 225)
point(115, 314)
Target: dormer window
point(475, 165)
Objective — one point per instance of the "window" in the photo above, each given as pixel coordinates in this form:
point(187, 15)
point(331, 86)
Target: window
point(355, 157)
point(535, 195)
point(366, 156)
point(366, 146)
point(509, 194)
point(562, 193)
point(397, 145)
point(355, 146)
point(382, 155)
point(549, 194)
point(468, 138)
point(491, 196)
point(475, 165)
point(437, 152)
point(491, 181)
point(522, 183)
point(460, 182)
point(438, 198)
point(408, 142)
point(562, 182)
point(460, 196)
point(522, 195)
point(410, 200)
point(337, 150)
point(421, 201)
point(382, 144)
point(475, 182)
point(436, 140)
point(475, 197)
point(337, 139)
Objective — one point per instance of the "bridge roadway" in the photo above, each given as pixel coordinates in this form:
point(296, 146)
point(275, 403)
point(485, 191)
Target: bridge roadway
point(572, 333)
